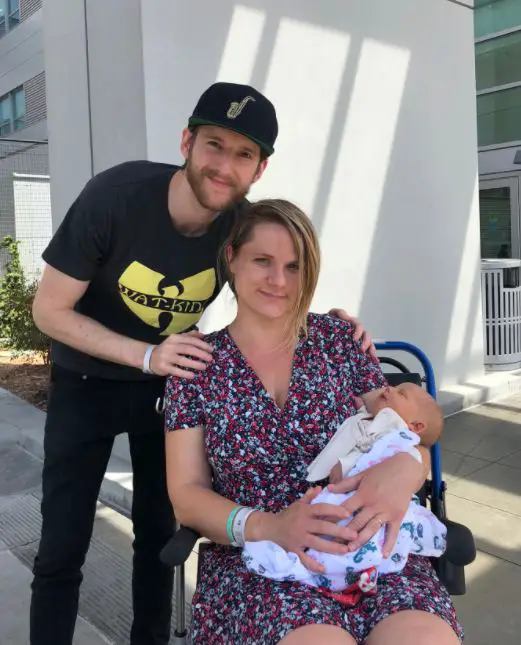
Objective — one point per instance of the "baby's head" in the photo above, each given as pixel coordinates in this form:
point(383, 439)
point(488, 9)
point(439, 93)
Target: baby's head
point(414, 405)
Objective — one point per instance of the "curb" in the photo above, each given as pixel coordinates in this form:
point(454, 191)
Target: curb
point(23, 424)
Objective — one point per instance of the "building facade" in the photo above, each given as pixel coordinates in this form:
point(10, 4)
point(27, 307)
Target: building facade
point(23, 112)
point(376, 104)
point(498, 83)
point(25, 209)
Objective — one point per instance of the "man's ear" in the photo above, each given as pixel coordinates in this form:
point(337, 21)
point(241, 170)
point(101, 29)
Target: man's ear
point(228, 251)
point(417, 426)
point(260, 170)
point(187, 140)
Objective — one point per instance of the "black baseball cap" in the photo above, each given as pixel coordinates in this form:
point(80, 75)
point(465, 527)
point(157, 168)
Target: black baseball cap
point(240, 108)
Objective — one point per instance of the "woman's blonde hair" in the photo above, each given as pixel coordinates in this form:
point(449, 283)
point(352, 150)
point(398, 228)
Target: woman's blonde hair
point(305, 241)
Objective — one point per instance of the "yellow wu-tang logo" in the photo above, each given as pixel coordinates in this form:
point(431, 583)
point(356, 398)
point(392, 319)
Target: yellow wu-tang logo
point(169, 307)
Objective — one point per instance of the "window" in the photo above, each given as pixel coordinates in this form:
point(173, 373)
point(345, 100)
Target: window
point(6, 116)
point(3, 22)
point(13, 7)
point(9, 15)
point(491, 16)
point(499, 117)
point(498, 70)
point(499, 219)
point(19, 108)
point(12, 112)
point(498, 61)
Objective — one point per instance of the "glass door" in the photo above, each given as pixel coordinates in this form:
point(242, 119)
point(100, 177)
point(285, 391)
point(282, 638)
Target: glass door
point(500, 218)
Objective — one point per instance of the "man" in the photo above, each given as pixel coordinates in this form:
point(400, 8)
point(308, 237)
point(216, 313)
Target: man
point(130, 270)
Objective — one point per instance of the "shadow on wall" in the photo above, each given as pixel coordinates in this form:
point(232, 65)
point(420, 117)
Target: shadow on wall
point(370, 107)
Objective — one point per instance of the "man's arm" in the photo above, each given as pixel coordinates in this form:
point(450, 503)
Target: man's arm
point(54, 315)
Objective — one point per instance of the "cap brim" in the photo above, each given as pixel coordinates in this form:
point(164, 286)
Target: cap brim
point(194, 121)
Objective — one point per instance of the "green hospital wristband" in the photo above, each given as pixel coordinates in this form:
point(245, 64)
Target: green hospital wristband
point(229, 523)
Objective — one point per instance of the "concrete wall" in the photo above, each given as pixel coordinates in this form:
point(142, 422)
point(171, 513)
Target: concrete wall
point(376, 102)
point(102, 121)
point(35, 100)
point(28, 7)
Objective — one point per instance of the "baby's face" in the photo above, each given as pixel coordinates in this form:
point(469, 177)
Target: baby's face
point(405, 399)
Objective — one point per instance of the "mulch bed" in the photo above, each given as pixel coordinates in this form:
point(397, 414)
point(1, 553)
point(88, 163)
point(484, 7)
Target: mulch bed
point(25, 376)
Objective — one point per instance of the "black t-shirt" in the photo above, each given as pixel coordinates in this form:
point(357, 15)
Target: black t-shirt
point(146, 279)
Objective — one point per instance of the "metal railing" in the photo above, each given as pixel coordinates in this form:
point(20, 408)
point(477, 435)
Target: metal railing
point(25, 201)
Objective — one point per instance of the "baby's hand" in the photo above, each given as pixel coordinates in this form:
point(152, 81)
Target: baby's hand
point(336, 475)
point(373, 401)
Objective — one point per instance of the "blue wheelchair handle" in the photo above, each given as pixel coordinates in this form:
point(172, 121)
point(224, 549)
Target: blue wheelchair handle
point(430, 382)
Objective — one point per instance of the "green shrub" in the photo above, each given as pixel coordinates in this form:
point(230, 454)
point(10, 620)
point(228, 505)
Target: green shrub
point(17, 329)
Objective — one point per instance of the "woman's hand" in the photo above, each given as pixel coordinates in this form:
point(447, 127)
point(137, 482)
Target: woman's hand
point(304, 525)
point(382, 496)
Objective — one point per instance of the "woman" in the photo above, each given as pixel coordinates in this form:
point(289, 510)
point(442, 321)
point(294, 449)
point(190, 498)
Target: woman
point(243, 431)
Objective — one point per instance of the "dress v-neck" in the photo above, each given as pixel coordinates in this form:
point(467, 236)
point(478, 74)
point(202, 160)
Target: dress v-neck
point(261, 386)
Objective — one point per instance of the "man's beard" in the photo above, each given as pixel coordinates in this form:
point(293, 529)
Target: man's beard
point(196, 177)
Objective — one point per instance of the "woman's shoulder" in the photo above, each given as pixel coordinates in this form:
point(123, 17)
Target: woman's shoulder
point(203, 380)
point(331, 336)
point(223, 352)
point(324, 328)
point(220, 340)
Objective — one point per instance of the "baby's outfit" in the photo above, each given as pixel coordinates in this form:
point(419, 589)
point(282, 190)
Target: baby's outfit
point(368, 442)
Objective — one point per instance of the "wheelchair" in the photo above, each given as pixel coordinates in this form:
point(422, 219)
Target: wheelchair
point(460, 550)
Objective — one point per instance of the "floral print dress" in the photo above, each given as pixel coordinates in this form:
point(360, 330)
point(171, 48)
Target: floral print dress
point(259, 453)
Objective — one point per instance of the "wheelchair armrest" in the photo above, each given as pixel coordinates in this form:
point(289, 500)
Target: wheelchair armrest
point(461, 549)
point(177, 550)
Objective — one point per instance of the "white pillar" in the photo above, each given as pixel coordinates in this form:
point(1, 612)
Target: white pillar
point(95, 100)
point(68, 117)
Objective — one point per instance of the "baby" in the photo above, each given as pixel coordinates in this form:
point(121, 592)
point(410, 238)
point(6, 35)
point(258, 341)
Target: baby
point(396, 420)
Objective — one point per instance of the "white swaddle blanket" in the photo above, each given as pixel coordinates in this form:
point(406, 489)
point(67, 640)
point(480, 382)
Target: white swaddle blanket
point(420, 533)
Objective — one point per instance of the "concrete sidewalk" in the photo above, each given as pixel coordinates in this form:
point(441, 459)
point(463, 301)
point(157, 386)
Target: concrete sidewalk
point(482, 466)
point(20, 475)
point(105, 601)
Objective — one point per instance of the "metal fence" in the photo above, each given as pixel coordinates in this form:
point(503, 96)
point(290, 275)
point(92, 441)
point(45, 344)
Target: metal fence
point(25, 200)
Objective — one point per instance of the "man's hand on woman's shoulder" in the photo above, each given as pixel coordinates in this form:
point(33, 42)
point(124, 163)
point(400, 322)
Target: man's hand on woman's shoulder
point(180, 354)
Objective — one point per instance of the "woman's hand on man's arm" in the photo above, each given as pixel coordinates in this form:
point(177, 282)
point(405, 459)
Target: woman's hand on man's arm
point(383, 494)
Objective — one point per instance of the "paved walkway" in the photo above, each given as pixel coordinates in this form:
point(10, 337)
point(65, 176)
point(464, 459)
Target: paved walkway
point(20, 475)
point(482, 466)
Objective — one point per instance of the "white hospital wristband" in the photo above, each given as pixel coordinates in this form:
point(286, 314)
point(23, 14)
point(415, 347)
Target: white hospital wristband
point(239, 524)
point(146, 359)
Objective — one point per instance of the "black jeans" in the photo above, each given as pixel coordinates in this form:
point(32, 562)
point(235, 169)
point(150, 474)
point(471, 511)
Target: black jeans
point(84, 416)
